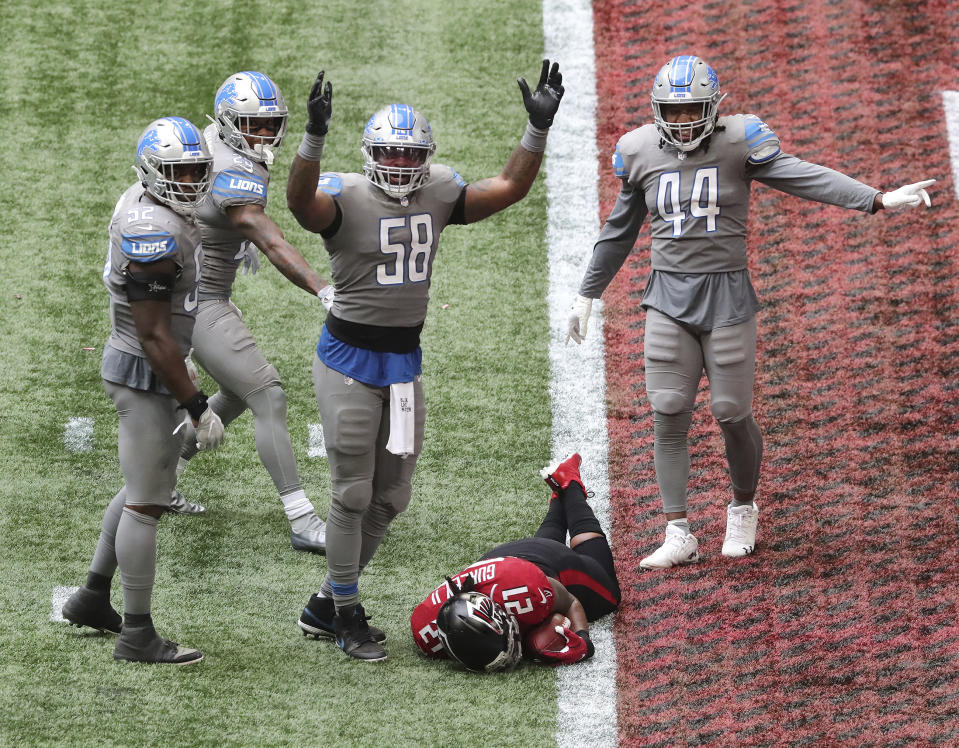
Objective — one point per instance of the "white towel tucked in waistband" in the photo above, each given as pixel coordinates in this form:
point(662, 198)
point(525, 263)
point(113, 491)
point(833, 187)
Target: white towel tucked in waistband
point(402, 423)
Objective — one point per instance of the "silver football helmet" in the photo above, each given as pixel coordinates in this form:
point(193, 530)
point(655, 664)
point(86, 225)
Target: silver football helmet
point(397, 148)
point(479, 633)
point(246, 105)
point(686, 80)
point(174, 163)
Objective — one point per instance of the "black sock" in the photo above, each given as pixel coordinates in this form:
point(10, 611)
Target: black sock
point(554, 523)
point(137, 619)
point(579, 514)
point(98, 581)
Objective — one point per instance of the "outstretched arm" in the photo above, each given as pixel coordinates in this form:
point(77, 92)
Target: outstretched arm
point(489, 196)
point(260, 229)
point(314, 209)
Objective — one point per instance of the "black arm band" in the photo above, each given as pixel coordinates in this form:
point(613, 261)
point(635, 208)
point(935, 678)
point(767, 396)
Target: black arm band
point(146, 286)
point(194, 406)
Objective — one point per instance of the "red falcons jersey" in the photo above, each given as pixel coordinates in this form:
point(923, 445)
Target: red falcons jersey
point(519, 586)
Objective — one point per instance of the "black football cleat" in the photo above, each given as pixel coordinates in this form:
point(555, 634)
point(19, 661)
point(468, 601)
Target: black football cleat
point(317, 620)
point(143, 644)
point(92, 608)
point(352, 635)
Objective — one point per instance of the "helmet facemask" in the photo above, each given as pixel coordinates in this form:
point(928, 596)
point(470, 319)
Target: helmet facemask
point(241, 105)
point(478, 633)
point(397, 149)
point(174, 164)
point(682, 81)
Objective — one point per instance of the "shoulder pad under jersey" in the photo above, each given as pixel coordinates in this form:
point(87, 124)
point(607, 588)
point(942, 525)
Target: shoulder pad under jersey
point(629, 145)
point(330, 183)
point(441, 173)
point(762, 142)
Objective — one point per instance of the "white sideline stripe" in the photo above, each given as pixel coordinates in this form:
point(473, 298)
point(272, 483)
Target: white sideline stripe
point(60, 597)
point(78, 434)
point(586, 692)
point(316, 446)
point(950, 103)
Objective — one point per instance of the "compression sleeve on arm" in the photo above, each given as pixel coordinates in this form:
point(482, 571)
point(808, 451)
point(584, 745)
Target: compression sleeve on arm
point(810, 181)
point(615, 241)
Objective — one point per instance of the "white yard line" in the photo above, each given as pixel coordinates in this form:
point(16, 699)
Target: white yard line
point(587, 692)
point(316, 447)
point(78, 434)
point(60, 596)
point(950, 103)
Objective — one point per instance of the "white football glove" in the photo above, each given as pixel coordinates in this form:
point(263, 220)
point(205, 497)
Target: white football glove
point(912, 196)
point(251, 259)
point(209, 430)
point(578, 319)
point(326, 296)
point(192, 370)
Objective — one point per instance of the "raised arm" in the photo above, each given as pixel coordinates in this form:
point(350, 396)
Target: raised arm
point(489, 196)
point(314, 209)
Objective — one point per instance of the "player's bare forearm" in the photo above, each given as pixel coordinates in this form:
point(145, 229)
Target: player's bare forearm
point(260, 229)
point(521, 169)
point(152, 321)
point(489, 196)
point(301, 185)
point(287, 259)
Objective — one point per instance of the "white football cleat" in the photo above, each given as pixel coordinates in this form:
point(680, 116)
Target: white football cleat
point(680, 548)
point(741, 522)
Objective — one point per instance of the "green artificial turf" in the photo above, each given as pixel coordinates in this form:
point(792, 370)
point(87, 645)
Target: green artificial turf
point(81, 81)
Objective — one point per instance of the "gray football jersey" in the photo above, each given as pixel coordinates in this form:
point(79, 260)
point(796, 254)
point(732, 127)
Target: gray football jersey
point(144, 231)
point(381, 255)
point(237, 180)
point(699, 206)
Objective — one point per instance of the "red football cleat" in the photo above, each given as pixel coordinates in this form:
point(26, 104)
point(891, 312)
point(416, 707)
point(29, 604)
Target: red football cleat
point(559, 475)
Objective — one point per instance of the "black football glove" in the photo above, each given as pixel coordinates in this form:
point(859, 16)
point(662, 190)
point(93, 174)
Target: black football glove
point(319, 107)
point(544, 101)
point(590, 649)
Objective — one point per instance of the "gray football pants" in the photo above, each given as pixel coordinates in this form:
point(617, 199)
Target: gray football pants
point(675, 359)
point(148, 452)
point(370, 485)
point(225, 348)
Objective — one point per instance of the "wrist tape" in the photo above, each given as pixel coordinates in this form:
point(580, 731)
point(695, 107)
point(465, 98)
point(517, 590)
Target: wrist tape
point(534, 139)
point(311, 147)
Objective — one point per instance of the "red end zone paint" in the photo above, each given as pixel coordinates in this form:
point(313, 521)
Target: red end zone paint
point(842, 627)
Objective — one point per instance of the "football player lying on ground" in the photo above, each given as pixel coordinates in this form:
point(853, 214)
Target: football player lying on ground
point(538, 591)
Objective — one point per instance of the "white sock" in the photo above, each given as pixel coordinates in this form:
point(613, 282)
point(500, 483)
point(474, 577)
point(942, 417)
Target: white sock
point(682, 523)
point(181, 466)
point(295, 504)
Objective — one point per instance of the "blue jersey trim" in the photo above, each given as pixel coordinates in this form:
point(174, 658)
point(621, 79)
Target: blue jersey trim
point(147, 247)
point(375, 368)
point(330, 183)
point(619, 166)
point(232, 184)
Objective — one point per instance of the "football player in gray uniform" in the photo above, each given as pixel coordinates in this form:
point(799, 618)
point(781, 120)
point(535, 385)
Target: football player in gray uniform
point(690, 171)
point(151, 273)
point(381, 230)
point(248, 129)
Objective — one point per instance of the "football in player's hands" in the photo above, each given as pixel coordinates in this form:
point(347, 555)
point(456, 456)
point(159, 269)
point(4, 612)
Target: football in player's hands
point(552, 642)
point(545, 637)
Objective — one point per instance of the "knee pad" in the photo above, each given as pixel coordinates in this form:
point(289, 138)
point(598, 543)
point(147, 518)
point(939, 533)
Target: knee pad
point(667, 402)
point(270, 401)
point(729, 411)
